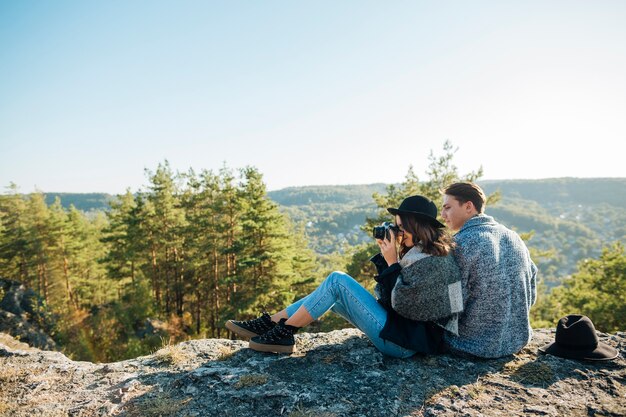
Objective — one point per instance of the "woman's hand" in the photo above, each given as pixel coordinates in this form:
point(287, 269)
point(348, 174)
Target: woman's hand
point(388, 248)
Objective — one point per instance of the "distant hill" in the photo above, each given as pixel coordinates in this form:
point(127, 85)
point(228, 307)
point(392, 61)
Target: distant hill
point(84, 201)
point(567, 190)
point(573, 216)
point(546, 191)
point(563, 190)
point(335, 194)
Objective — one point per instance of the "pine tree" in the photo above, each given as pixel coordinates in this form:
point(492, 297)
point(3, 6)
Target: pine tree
point(210, 242)
point(122, 238)
point(165, 221)
point(14, 254)
point(190, 204)
point(597, 290)
point(39, 244)
point(264, 265)
point(308, 270)
point(87, 263)
point(228, 206)
point(63, 249)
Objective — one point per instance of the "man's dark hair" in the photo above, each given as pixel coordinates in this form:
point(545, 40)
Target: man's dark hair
point(467, 191)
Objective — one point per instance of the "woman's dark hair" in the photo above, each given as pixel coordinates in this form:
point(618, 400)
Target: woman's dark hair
point(467, 191)
point(434, 240)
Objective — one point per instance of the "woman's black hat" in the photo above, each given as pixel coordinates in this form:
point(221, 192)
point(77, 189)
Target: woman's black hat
point(576, 338)
point(420, 207)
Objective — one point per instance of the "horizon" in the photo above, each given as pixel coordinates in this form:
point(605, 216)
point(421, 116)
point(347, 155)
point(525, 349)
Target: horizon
point(343, 185)
point(93, 94)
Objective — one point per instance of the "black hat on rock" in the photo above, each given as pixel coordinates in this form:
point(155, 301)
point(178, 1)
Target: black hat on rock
point(420, 207)
point(576, 338)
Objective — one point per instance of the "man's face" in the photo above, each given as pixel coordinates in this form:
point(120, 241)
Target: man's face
point(454, 213)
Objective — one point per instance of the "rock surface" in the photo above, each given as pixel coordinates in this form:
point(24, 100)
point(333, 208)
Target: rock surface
point(22, 315)
point(332, 374)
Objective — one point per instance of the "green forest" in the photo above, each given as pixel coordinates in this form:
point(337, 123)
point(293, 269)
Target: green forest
point(119, 276)
point(174, 260)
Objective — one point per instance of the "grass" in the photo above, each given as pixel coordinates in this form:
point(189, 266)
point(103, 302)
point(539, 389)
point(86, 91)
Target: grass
point(8, 375)
point(6, 409)
point(159, 405)
point(475, 390)
point(225, 353)
point(470, 392)
point(533, 373)
point(251, 380)
point(299, 411)
point(171, 354)
point(433, 395)
point(331, 358)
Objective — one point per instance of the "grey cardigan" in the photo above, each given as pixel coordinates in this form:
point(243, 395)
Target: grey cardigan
point(428, 288)
point(499, 286)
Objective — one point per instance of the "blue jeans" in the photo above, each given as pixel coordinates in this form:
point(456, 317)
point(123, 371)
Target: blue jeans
point(345, 296)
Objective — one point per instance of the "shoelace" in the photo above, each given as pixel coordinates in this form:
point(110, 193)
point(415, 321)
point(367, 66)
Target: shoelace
point(276, 334)
point(260, 323)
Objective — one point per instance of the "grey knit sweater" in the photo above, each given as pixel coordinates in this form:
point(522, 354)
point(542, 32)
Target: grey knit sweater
point(499, 286)
point(429, 289)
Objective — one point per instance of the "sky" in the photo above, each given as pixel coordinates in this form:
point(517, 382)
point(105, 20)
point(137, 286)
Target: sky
point(93, 94)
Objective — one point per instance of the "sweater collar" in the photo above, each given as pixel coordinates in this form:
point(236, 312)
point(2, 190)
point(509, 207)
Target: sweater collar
point(477, 220)
point(413, 255)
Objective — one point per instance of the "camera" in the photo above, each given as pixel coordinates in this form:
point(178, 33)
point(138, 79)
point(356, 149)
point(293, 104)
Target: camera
point(382, 231)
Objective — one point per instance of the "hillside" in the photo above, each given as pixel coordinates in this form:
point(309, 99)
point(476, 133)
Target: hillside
point(82, 201)
point(331, 375)
point(574, 191)
point(572, 216)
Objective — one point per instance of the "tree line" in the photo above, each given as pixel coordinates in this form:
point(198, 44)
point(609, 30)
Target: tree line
point(191, 249)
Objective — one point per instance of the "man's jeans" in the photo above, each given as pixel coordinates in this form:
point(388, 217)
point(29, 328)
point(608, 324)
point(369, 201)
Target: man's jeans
point(346, 297)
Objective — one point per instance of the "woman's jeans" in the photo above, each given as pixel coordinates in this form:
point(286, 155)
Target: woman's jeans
point(346, 297)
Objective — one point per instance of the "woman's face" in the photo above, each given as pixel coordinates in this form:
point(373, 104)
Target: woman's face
point(403, 237)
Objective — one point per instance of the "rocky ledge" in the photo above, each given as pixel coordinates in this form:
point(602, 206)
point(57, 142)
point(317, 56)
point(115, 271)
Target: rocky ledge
point(332, 374)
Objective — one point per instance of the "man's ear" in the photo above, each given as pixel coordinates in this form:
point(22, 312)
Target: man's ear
point(469, 207)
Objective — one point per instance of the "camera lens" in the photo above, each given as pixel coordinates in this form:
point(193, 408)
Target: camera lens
point(382, 231)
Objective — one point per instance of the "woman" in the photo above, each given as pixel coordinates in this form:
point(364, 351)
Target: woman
point(418, 292)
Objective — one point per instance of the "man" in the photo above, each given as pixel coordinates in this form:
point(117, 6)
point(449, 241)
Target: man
point(497, 275)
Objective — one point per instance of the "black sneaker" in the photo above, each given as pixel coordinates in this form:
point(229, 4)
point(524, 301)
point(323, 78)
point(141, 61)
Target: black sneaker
point(278, 340)
point(251, 328)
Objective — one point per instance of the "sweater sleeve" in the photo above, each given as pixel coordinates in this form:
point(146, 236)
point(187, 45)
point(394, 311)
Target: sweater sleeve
point(533, 283)
point(385, 283)
point(379, 262)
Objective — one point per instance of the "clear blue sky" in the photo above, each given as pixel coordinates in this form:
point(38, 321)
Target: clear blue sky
point(324, 92)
